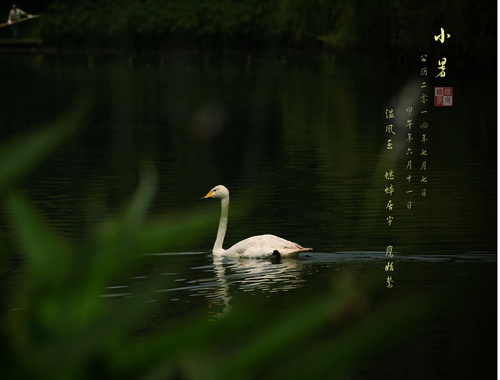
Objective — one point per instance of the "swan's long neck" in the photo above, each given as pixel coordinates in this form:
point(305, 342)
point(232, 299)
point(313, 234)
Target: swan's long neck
point(221, 233)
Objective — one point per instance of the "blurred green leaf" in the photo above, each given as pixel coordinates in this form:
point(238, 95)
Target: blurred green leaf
point(283, 332)
point(48, 256)
point(335, 356)
point(22, 155)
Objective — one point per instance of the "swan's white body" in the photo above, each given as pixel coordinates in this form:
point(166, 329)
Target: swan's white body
point(260, 246)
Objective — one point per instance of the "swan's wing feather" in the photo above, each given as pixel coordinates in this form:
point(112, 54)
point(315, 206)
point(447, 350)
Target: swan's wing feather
point(264, 245)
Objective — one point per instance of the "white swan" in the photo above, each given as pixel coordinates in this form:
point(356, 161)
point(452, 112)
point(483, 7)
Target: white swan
point(260, 246)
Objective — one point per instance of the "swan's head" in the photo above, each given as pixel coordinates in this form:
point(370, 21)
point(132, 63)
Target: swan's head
point(218, 192)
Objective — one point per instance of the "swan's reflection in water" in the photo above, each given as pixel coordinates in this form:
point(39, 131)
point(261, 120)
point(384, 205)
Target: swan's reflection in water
point(233, 275)
point(200, 280)
point(247, 275)
point(217, 283)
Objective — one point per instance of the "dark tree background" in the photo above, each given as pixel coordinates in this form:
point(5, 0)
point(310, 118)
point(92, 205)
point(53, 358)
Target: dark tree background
point(384, 27)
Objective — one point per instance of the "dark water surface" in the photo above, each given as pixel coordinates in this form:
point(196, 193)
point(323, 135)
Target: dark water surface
point(300, 144)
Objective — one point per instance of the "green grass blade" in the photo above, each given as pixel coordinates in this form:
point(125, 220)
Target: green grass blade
point(333, 358)
point(22, 155)
point(284, 330)
point(47, 255)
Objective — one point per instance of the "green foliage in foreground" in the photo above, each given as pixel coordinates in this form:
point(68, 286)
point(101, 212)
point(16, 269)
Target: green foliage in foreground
point(62, 328)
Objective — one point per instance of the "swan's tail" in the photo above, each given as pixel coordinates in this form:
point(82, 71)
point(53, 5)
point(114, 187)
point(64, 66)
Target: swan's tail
point(298, 248)
point(293, 251)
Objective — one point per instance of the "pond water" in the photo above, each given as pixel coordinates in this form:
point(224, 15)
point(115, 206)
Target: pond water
point(217, 280)
point(300, 142)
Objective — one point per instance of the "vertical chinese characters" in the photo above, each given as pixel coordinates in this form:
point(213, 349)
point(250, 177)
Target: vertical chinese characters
point(389, 191)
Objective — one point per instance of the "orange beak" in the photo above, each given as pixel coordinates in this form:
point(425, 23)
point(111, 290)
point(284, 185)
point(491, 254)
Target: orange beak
point(209, 195)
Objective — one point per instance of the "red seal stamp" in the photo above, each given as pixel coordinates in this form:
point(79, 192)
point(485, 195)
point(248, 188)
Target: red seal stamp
point(443, 96)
